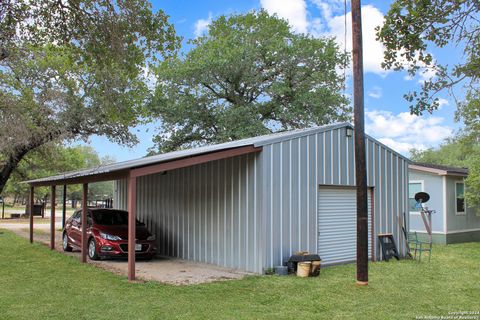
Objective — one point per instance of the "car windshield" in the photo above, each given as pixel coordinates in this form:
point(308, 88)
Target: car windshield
point(111, 217)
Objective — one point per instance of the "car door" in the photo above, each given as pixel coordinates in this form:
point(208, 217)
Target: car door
point(75, 233)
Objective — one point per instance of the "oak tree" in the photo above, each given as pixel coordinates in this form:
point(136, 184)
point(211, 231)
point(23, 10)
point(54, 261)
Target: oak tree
point(70, 69)
point(248, 75)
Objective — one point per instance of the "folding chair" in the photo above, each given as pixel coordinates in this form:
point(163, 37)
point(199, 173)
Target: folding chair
point(418, 246)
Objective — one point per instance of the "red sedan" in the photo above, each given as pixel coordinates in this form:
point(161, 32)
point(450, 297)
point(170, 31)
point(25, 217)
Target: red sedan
point(107, 234)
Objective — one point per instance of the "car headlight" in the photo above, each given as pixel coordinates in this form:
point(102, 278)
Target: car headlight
point(107, 236)
point(151, 238)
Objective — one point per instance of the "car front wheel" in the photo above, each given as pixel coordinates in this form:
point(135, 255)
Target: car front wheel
point(92, 250)
point(66, 246)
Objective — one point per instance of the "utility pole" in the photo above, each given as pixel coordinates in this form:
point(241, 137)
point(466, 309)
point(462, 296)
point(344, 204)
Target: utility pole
point(360, 160)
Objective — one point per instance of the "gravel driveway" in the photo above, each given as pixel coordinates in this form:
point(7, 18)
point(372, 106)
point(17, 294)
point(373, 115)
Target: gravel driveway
point(162, 269)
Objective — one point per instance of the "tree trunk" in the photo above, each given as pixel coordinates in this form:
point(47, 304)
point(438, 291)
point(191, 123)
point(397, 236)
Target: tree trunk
point(10, 165)
point(14, 158)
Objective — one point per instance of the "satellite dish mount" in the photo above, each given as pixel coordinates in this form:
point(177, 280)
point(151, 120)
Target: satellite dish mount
point(423, 197)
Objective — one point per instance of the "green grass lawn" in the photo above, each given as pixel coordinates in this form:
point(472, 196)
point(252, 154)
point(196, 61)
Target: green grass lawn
point(36, 283)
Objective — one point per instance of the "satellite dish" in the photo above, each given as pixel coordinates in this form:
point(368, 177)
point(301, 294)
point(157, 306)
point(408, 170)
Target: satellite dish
point(422, 197)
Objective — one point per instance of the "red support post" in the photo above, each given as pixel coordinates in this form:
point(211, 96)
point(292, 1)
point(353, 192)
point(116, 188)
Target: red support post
point(84, 222)
point(64, 208)
point(52, 219)
point(132, 207)
point(32, 201)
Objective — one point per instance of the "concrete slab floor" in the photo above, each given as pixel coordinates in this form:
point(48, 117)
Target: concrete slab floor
point(163, 269)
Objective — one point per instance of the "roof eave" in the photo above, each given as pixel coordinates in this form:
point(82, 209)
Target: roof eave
point(439, 172)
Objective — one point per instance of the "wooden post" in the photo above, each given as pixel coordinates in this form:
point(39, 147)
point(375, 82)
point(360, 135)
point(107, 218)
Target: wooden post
point(52, 219)
point(132, 207)
point(64, 209)
point(84, 223)
point(32, 201)
point(360, 160)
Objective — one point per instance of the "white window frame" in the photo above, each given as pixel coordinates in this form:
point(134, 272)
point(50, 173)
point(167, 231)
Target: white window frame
point(422, 190)
point(464, 212)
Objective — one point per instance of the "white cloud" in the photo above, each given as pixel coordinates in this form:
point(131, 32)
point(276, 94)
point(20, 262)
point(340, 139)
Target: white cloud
point(405, 131)
point(294, 11)
point(442, 102)
point(201, 25)
point(372, 49)
point(149, 77)
point(375, 93)
point(332, 21)
point(426, 74)
point(328, 7)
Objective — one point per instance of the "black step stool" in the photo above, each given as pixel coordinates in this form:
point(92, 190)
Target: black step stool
point(389, 249)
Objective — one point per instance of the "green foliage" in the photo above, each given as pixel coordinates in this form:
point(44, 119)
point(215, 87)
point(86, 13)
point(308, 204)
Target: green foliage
point(462, 151)
point(451, 153)
point(250, 75)
point(411, 28)
point(50, 159)
point(70, 69)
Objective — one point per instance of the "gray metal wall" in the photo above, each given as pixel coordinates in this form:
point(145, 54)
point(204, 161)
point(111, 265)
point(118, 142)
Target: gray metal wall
point(208, 213)
point(252, 212)
point(293, 171)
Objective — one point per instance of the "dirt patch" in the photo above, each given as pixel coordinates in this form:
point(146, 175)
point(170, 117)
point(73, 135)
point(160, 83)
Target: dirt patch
point(164, 269)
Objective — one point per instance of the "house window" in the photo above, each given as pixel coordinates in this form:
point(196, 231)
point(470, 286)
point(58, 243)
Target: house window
point(413, 188)
point(459, 197)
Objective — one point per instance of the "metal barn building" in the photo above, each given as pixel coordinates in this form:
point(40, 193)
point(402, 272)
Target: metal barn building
point(267, 197)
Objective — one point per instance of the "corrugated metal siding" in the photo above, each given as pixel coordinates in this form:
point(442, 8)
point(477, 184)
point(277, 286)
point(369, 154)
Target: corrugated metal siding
point(252, 212)
point(208, 213)
point(337, 224)
point(293, 170)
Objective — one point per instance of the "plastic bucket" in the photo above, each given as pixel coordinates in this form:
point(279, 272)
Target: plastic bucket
point(303, 269)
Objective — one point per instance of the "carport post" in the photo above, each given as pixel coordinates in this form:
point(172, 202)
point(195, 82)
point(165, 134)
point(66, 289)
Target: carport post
point(52, 219)
point(132, 207)
point(31, 199)
point(84, 222)
point(64, 209)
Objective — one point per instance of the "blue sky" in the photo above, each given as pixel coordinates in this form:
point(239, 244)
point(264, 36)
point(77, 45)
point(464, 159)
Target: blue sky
point(387, 114)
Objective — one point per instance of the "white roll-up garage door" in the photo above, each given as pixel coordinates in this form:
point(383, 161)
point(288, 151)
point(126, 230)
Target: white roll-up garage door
point(337, 224)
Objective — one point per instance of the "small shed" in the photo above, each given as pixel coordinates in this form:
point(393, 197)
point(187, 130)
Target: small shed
point(250, 204)
point(453, 221)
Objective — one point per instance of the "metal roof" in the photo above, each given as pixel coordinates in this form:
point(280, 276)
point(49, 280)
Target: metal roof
point(439, 169)
point(165, 157)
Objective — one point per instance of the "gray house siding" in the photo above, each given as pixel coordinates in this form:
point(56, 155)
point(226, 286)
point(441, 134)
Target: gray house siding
point(459, 222)
point(448, 227)
point(294, 170)
point(252, 212)
point(208, 213)
point(433, 185)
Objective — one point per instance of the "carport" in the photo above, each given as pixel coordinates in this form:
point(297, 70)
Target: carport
point(250, 204)
point(129, 171)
